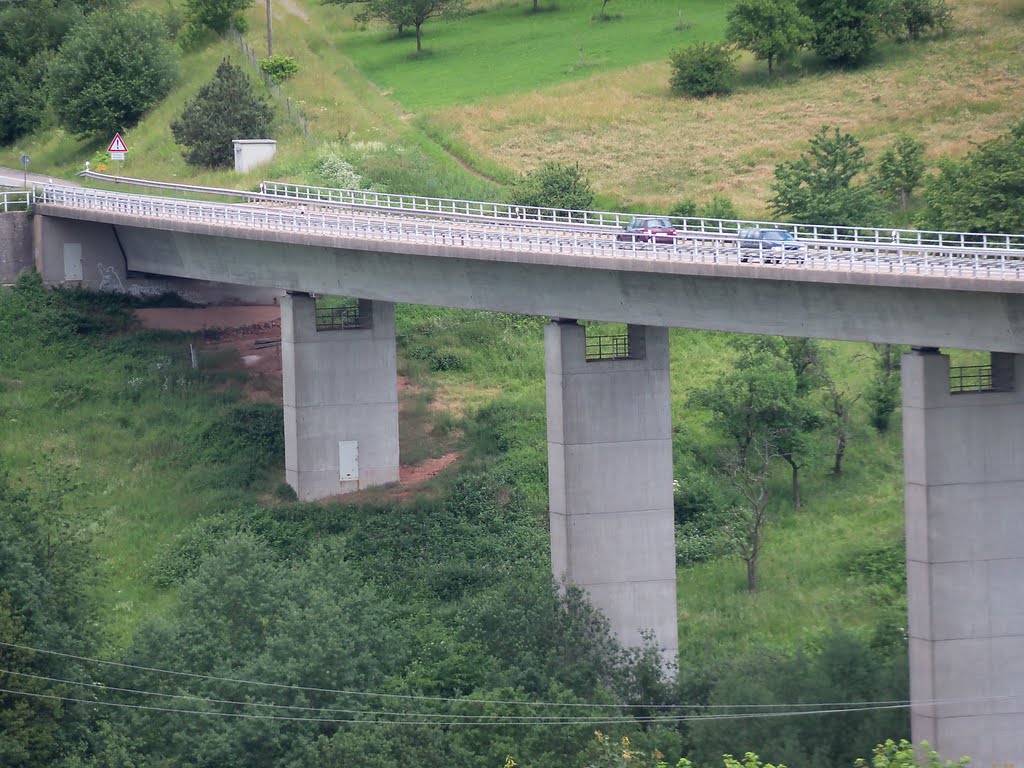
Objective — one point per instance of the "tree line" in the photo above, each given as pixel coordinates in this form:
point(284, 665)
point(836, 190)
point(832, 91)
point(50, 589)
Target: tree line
point(842, 33)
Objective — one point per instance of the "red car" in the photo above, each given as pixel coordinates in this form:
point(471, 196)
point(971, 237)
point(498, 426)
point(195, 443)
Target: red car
point(646, 229)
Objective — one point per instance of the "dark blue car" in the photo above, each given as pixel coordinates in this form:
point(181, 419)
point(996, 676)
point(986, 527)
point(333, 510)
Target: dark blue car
point(771, 246)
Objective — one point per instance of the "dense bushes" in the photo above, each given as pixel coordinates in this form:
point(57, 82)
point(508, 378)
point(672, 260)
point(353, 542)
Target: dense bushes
point(702, 69)
point(110, 69)
point(553, 185)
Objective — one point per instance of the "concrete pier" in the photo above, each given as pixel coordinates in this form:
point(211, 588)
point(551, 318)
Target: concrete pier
point(340, 400)
point(964, 484)
point(610, 478)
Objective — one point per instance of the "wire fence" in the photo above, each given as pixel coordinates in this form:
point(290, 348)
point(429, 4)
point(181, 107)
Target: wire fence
point(275, 90)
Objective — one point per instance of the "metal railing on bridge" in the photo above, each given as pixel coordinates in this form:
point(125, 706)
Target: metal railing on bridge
point(360, 198)
point(20, 200)
point(368, 200)
point(521, 237)
point(995, 377)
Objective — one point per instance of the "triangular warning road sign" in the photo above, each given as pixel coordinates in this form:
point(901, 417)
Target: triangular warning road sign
point(117, 144)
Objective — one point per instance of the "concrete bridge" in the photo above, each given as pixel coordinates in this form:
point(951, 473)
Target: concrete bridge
point(609, 431)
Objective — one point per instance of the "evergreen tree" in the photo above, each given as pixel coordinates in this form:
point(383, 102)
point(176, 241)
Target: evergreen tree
point(224, 109)
point(900, 169)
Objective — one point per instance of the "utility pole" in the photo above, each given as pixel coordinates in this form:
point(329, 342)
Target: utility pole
point(270, 33)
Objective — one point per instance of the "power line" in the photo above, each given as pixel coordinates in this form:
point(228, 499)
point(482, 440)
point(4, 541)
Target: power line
point(204, 699)
point(450, 724)
point(440, 699)
point(752, 711)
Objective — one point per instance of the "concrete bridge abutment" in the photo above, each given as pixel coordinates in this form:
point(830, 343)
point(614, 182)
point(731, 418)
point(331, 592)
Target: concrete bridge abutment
point(610, 479)
point(340, 399)
point(964, 496)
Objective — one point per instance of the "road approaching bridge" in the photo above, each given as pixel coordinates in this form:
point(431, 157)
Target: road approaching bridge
point(609, 415)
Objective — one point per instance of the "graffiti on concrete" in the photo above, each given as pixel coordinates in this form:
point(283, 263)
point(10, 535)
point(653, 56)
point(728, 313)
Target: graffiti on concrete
point(110, 280)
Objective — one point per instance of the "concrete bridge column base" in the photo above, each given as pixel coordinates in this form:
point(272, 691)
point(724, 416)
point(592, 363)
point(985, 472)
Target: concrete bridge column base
point(340, 400)
point(610, 477)
point(964, 485)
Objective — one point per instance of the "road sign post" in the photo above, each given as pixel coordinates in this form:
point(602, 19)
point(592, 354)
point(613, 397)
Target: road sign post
point(24, 166)
point(117, 150)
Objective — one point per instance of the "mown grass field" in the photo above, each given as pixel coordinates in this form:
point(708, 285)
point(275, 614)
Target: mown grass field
point(650, 149)
point(500, 90)
point(506, 48)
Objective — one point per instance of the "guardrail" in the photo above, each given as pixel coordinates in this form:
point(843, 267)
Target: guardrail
point(893, 258)
point(505, 212)
point(15, 201)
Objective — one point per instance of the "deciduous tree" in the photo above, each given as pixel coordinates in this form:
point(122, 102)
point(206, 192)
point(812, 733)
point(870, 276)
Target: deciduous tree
point(839, 401)
point(746, 523)
point(110, 69)
point(845, 31)
point(983, 192)
point(883, 392)
point(910, 19)
point(820, 187)
point(756, 406)
point(773, 30)
point(406, 13)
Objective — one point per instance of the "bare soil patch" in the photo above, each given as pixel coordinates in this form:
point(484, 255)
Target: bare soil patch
point(255, 334)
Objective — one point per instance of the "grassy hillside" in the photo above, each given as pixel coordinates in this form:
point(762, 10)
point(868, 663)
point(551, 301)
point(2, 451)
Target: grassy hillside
point(650, 149)
point(160, 464)
point(498, 91)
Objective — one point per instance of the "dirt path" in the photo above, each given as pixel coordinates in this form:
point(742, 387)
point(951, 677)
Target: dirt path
point(255, 332)
point(291, 7)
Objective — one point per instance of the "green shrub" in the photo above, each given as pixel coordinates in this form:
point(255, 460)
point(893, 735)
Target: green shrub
point(553, 185)
point(720, 207)
point(702, 69)
point(279, 68)
point(241, 444)
point(215, 15)
point(334, 170)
